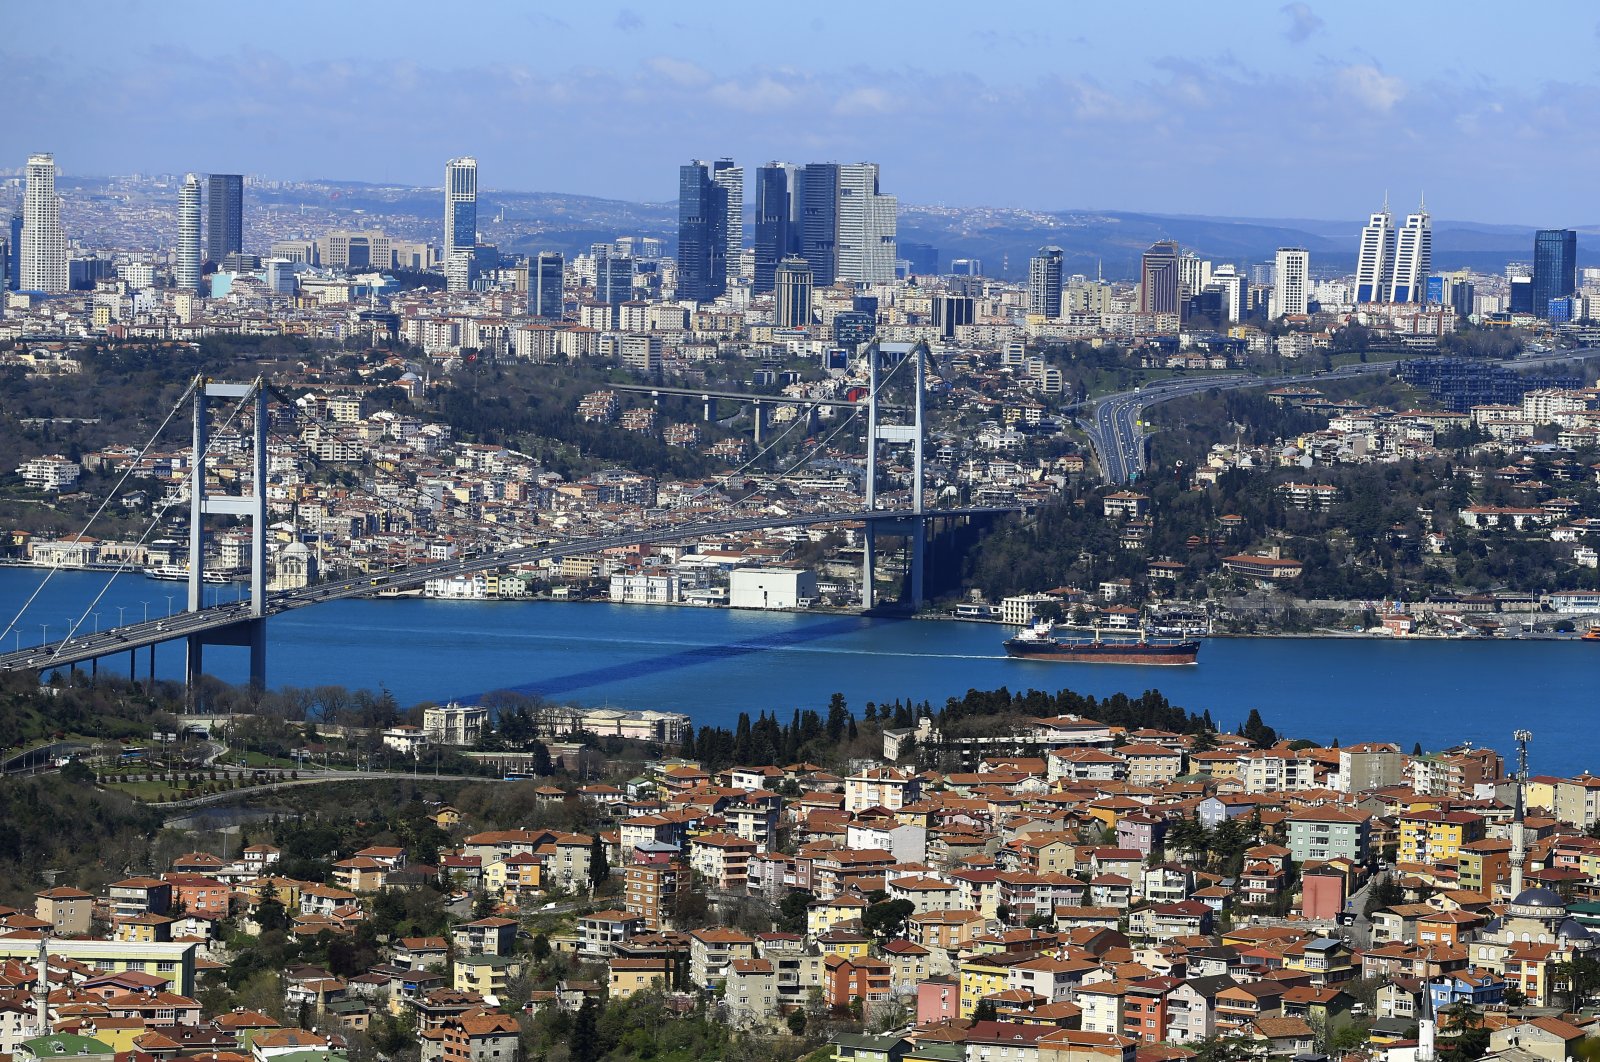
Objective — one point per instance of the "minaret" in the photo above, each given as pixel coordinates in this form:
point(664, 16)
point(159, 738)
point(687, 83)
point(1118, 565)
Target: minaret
point(1425, 1027)
point(41, 988)
point(1519, 842)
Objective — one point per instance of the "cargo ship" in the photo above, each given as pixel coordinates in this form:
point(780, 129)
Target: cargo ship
point(1038, 642)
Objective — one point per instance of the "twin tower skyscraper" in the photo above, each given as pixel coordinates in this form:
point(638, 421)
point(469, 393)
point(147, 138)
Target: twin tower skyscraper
point(1394, 266)
point(830, 214)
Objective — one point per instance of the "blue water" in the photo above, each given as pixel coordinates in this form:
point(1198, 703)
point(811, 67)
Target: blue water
point(714, 663)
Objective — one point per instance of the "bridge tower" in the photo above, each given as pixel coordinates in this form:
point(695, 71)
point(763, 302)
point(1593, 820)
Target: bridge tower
point(877, 431)
point(251, 631)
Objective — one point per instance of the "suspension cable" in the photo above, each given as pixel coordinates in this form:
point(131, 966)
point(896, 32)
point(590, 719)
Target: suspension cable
point(50, 574)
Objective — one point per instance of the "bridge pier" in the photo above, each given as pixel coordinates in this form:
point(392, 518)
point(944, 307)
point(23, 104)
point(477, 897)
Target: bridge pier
point(709, 411)
point(759, 417)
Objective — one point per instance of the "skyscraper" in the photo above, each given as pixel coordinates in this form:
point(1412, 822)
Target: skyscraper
point(1555, 267)
point(1291, 287)
point(730, 179)
point(819, 219)
point(1413, 258)
point(1158, 278)
point(224, 215)
point(545, 278)
point(186, 271)
point(1232, 284)
point(613, 278)
point(1376, 257)
point(460, 205)
point(867, 220)
point(777, 235)
point(1044, 282)
point(44, 245)
point(793, 280)
point(1194, 273)
point(14, 242)
point(702, 234)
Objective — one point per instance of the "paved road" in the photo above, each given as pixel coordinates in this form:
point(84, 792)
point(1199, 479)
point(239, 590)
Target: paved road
point(1112, 423)
point(320, 778)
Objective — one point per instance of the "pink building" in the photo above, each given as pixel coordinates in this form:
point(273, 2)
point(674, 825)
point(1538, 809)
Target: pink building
point(938, 999)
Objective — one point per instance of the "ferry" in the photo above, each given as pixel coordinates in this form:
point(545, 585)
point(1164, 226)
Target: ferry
point(1038, 642)
point(179, 573)
point(1592, 634)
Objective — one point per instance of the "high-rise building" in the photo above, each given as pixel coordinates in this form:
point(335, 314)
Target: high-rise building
point(1233, 285)
point(951, 312)
point(186, 270)
point(702, 234)
point(1520, 295)
point(793, 290)
point(545, 279)
point(14, 242)
point(1291, 288)
point(1044, 282)
point(1413, 258)
point(1194, 273)
point(730, 179)
point(1555, 267)
point(819, 219)
point(460, 205)
point(43, 265)
point(1376, 257)
point(613, 278)
point(865, 244)
point(1158, 278)
point(777, 231)
point(224, 215)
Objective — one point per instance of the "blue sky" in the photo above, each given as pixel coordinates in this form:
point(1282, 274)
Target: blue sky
point(1306, 109)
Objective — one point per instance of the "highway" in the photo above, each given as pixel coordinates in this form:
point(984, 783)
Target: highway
point(138, 635)
point(1113, 427)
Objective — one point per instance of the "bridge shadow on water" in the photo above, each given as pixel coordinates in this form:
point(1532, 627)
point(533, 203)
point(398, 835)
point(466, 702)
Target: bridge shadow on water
point(558, 685)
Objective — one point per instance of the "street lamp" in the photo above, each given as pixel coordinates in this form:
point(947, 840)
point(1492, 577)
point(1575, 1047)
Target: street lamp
point(146, 605)
point(96, 616)
point(44, 634)
point(169, 603)
point(120, 610)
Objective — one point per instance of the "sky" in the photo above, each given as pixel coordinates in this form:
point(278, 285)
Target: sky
point(1309, 109)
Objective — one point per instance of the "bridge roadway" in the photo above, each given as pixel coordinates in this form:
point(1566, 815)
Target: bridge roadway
point(743, 397)
point(116, 640)
point(1118, 440)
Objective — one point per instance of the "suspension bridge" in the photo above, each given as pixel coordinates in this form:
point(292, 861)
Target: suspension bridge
point(244, 622)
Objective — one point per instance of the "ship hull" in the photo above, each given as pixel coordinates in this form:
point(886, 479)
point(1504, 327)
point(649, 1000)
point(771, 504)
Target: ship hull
point(1105, 652)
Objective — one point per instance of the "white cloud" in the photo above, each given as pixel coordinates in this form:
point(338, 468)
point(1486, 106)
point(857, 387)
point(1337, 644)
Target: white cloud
point(863, 101)
point(1371, 87)
point(679, 71)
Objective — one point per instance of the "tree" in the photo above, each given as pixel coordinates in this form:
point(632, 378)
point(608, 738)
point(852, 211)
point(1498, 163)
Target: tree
point(585, 1042)
point(599, 863)
point(887, 918)
point(984, 1011)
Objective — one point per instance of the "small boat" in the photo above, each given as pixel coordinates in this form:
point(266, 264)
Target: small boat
point(179, 573)
point(1038, 642)
point(1592, 634)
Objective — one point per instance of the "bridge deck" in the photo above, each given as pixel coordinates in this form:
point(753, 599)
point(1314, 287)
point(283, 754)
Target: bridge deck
point(218, 618)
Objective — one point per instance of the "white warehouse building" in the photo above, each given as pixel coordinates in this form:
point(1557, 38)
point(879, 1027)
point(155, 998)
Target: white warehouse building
point(771, 588)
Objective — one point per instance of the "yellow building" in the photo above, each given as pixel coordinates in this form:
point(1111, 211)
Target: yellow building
point(638, 975)
point(823, 915)
point(1434, 837)
point(485, 974)
point(981, 976)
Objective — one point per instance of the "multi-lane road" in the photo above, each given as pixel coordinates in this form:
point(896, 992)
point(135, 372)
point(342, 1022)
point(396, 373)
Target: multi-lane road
point(1113, 423)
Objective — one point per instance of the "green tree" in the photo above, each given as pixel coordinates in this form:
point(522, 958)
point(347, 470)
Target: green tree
point(599, 863)
point(585, 1042)
point(984, 1011)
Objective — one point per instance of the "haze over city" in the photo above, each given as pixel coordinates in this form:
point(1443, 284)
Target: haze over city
point(1293, 110)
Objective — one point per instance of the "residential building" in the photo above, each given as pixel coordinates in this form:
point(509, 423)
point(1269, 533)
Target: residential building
point(186, 269)
point(1291, 283)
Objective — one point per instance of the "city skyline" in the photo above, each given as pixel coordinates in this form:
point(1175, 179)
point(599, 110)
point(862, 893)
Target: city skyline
point(1265, 109)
